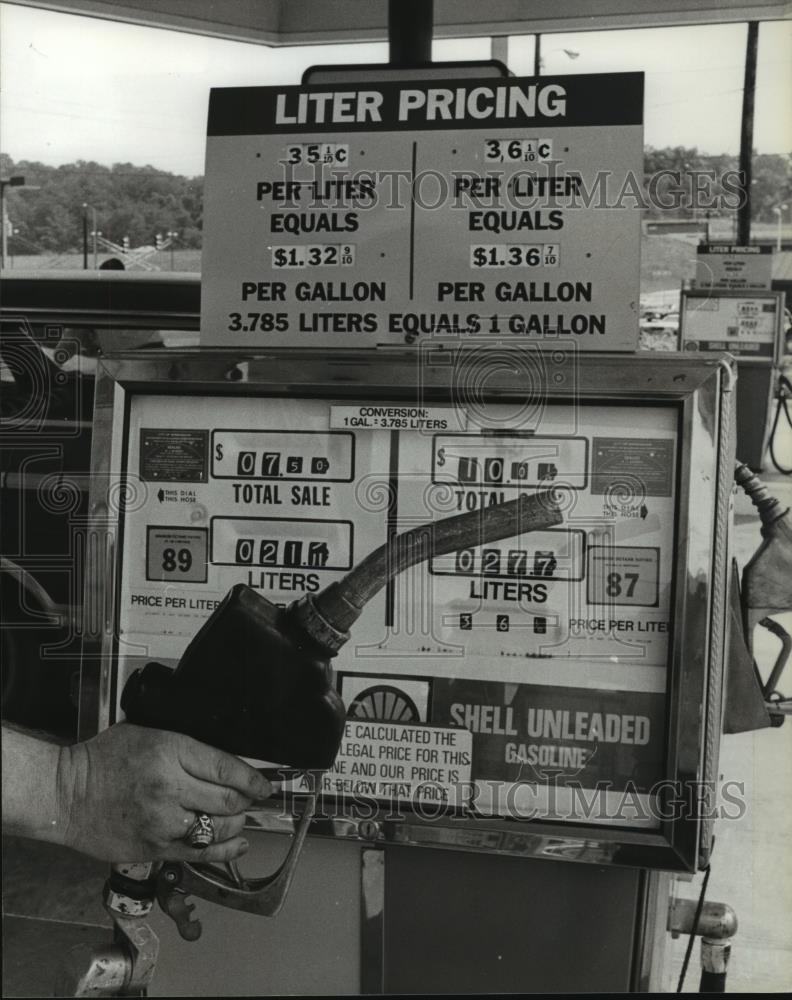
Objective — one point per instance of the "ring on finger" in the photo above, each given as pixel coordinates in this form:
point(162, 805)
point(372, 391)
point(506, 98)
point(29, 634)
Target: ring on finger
point(202, 831)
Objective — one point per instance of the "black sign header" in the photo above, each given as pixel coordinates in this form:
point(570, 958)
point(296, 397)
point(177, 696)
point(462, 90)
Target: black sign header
point(599, 99)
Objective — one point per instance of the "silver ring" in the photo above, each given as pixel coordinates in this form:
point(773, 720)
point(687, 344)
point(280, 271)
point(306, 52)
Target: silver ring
point(202, 832)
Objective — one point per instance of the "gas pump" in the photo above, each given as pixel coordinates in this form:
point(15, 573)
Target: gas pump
point(490, 831)
point(532, 713)
point(749, 324)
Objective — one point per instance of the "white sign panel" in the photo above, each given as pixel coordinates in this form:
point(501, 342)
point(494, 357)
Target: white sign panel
point(387, 213)
point(533, 659)
point(401, 763)
point(734, 268)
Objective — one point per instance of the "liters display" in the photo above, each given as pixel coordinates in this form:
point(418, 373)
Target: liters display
point(383, 213)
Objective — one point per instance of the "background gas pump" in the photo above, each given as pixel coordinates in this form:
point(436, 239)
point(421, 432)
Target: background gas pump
point(751, 703)
point(765, 590)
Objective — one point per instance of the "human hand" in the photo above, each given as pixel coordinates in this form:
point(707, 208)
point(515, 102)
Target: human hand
point(132, 794)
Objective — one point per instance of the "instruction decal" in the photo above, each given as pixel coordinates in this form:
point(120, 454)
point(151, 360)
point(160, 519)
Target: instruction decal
point(393, 761)
point(632, 468)
point(173, 456)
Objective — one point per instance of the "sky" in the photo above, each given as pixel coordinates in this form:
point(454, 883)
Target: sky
point(81, 88)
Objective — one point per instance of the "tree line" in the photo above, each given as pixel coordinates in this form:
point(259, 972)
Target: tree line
point(139, 202)
point(716, 178)
point(128, 200)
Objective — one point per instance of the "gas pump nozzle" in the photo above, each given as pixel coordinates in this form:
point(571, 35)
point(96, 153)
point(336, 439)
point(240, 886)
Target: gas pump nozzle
point(767, 582)
point(256, 679)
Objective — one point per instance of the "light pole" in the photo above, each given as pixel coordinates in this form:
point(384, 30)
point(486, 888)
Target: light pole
point(94, 233)
point(172, 236)
point(85, 236)
point(17, 181)
point(12, 231)
point(779, 211)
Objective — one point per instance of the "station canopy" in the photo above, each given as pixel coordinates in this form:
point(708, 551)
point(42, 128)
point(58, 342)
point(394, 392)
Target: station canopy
point(305, 22)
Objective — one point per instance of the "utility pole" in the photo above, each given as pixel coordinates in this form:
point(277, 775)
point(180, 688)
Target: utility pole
point(746, 135)
point(85, 236)
point(93, 234)
point(172, 237)
point(779, 211)
point(16, 181)
point(410, 24)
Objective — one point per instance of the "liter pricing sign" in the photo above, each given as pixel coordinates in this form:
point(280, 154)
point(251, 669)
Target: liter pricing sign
point(734, 268)
point(361, 215)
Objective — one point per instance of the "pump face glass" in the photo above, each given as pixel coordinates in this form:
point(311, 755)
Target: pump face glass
point(507, 675)
point(539, 679)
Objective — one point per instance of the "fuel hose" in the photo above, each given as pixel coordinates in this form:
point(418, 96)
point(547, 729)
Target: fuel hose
point(783, 395)
point(328, 616)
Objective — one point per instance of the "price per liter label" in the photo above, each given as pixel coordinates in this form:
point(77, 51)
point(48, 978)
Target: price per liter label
point(623, 575)
point(317, 152)
point(312, 255)
point(515, 255)
point(327, 456)
point(509, 461)
point(176, 554)
point(517, 150)
point(281, 543)
point(544, 555)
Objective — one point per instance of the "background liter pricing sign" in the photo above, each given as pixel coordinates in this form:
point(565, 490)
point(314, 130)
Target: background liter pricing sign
point(365, 214)
point(734, 268)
